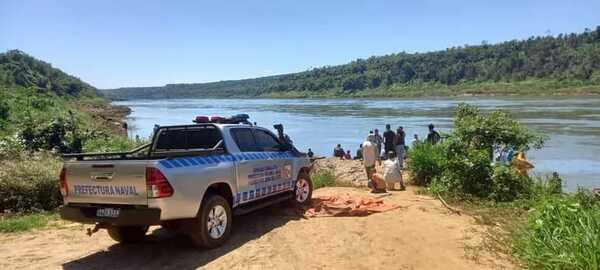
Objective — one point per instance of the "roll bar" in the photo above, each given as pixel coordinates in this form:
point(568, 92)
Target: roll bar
point(81, 156)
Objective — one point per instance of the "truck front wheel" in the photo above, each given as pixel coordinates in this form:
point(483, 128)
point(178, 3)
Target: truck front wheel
point(212, 226)
point(127, 234)
point(303, 189)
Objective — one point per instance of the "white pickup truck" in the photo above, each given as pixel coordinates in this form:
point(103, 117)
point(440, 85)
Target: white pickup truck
point(191, 177)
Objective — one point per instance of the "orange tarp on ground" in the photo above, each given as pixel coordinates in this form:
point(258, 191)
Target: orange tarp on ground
point(346, 205)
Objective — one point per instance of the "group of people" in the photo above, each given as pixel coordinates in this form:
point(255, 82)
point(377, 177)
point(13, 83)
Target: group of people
point(394, 150)
point(394, 144)
point(338, 151)
point(391, 142)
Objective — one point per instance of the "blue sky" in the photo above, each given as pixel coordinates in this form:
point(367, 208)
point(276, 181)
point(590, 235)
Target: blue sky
point(145, 43)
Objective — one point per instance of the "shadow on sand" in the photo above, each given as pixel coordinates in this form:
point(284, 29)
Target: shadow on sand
point(164, 249)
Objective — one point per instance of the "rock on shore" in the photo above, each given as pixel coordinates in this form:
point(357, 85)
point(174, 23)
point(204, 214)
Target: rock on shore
point(347, 172)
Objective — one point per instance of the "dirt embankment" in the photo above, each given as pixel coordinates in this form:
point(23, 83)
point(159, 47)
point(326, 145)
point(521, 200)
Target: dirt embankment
point(420, 234)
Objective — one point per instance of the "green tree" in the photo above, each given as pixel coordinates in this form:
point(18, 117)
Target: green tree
point(498, 128)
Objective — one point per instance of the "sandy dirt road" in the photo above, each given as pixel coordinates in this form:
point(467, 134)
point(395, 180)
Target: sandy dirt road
point(422, 234)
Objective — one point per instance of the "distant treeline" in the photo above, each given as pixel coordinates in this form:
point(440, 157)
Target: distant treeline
point(19, 69)
point(566, 57)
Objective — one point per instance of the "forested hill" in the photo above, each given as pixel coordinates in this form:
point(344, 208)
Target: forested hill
point(43, 108)
point(17, 69)
point(567, 63)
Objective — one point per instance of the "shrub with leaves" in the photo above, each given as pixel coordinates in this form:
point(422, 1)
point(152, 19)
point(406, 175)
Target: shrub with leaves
point(11, 147)
point(4, 113)
point(467, 169)
point(425, 162)
point(30, 184)
point(110, 143)
point(462, 163)
point(507, 185)
point(484, 131)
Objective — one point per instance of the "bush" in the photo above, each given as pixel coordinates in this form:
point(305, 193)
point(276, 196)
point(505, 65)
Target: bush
point(563, 232)
point(467, 170)
point(112, 143)
point(323, 178)
point(425, 162)
point(484, 131)
point(11, 147)
point(507, 185)
point(30, 184)
point(4, 114)
point(462, 163)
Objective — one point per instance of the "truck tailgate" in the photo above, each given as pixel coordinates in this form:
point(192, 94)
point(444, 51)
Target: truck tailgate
point(107, 182)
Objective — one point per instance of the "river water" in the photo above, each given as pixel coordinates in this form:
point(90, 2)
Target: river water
point(572, 124)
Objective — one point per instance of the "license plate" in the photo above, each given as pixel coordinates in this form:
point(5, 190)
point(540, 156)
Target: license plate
point(108, 212)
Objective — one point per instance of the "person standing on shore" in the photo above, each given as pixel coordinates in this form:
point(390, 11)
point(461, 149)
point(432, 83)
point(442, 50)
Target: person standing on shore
point(378, 143)
point(415, 140)
point(389, 138)
point(369, 156)
point(521, 164)
point(310, 153)
point(433, 137)
point(400, 144)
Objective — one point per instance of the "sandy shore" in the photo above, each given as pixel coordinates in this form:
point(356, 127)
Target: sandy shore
point(422, 234)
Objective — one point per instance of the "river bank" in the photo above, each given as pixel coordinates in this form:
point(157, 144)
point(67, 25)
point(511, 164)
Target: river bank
point(523, 88)
point(421, 234)
point(111, 115)
point(526, 88)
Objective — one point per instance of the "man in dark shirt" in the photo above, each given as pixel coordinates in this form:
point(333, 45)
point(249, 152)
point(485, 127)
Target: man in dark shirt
point(358, 152)
point(338, 151)
point(400, 145)
point(378, 142)
point(433, 137)
point(388, 138)
point(310, 153)
point(400, 136)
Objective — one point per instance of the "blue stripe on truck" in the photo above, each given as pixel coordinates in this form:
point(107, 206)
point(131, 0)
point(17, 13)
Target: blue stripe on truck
point(181, 162)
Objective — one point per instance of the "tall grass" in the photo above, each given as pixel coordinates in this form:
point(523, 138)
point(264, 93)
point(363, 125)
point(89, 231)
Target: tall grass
point(30, 184)
point(21, 223)
point(563, 232)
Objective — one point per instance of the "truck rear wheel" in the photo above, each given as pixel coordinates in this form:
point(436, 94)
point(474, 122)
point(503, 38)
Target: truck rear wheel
point(303, 190)
point(212, 226)
point(127, 234)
